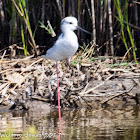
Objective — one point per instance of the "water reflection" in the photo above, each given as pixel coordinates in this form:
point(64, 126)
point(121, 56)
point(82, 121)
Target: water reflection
point(101, 124)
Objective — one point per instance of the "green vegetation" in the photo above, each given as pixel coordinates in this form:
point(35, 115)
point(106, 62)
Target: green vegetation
point(123, 36)
point(48, 28)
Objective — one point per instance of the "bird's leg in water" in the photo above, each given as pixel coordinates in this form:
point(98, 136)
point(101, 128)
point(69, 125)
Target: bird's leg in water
point(58, 97)
point(58, 92)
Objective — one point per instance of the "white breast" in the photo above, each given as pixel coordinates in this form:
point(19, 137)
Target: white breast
point(64, 48)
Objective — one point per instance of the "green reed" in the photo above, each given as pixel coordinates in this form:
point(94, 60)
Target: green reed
point(129, 32)
point(123, 35)
point(117, 3)
point(23, 38)
point(22, 11)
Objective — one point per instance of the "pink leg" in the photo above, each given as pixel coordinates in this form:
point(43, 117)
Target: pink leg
point(58, 97)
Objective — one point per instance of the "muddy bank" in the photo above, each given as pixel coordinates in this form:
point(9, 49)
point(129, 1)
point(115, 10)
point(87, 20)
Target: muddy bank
point(30, 83)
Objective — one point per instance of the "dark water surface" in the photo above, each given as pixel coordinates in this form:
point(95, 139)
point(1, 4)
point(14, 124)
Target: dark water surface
point(81, 124)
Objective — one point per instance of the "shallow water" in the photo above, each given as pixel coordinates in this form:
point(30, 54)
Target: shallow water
point(80, 124)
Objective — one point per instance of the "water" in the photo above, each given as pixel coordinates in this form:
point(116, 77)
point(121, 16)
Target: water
point(80, 124)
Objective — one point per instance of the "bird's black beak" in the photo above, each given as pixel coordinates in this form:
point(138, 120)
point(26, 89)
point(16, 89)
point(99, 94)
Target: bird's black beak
point(83, 30)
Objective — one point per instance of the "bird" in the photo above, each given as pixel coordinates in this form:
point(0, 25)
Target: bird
point(65, 47)
point(67, 43)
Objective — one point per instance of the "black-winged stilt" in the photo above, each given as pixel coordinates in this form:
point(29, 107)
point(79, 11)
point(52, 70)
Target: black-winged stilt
point(65, 47)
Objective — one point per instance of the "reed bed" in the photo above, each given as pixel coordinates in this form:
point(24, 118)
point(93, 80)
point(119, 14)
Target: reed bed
point(114, 24)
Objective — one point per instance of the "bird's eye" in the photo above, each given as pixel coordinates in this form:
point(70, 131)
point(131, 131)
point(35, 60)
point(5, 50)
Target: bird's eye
point(70, 22)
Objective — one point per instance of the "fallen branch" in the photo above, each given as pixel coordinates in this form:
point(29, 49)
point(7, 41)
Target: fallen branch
point(93, 89)
point(116, 95)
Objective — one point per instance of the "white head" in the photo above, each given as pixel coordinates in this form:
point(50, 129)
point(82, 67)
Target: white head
point(69, 23)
